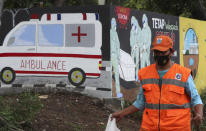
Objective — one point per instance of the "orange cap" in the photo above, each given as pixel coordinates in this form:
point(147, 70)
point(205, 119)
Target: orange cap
point(162, 43)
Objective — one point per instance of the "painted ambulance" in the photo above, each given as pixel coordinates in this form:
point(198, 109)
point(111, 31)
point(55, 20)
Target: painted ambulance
point(56, 45)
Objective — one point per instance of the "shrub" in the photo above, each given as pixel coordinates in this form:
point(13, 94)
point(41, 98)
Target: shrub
point(16, 112)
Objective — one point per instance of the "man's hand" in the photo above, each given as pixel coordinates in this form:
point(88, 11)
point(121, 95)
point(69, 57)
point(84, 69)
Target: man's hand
point(197, 119)
point(118, 115)
point(198, 115)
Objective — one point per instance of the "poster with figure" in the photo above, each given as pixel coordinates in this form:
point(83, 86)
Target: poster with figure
point(193, 49)
point(136, 31)
point(115, 54)
point(135, 42)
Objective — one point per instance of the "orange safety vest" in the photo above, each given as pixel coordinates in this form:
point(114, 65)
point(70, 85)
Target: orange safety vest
point(166, 108)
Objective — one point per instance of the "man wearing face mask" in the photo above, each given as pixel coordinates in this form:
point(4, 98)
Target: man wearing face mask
point(167, 93)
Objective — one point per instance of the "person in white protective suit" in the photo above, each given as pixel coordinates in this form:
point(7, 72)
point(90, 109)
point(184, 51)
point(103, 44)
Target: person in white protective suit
point(135, 42)
point(146, 41)
point(115, 54)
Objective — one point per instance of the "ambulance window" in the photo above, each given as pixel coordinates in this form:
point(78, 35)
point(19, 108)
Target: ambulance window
point(51, 35)
point(23, 36)
point(80, 35)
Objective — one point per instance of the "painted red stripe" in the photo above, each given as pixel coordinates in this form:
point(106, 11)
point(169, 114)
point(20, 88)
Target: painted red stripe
point(41, 72)
point(92, 74)
point(48, 55)
point(51, 72)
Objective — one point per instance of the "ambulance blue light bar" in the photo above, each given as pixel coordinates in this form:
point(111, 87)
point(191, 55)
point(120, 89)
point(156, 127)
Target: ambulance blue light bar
point(58, 16)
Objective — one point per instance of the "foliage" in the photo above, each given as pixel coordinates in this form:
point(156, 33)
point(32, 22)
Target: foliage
point(11, 4)
point(115, 2)
point(174, 7)
point(186, 8)
point(17, 112)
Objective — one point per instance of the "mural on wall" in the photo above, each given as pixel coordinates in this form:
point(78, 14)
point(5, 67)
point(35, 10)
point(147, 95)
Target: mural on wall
point(32, 48)
point(10, 18)
point(115, 54)
point(193, 49)
point(135, 44)
point(54, 46)
point(125, 52)
point(140, 42)
point(122, 16)
point(123, 66)
point(146, 42)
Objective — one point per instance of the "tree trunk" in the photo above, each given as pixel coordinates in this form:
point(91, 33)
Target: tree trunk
point(1, 7)
point(202, 9)
point(198, 10)
point(58, 3)
point(101, 2)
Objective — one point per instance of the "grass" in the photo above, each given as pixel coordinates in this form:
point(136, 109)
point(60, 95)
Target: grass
point(76, 127)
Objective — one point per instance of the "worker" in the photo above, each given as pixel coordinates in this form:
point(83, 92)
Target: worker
point(135, 42)
point(146, 37)
point(115, 55)
point(167, 93)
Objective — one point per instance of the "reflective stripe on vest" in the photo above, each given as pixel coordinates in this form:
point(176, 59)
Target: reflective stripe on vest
point(164, 81)
point(167, 106)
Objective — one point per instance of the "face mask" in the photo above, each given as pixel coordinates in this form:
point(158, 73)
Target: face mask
point(161, 60)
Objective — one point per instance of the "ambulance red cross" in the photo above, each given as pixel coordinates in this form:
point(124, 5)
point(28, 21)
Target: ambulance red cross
point(56, 45)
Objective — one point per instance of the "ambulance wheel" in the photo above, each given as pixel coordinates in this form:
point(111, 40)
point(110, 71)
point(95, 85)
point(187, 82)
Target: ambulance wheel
point(76, 76)
point(7, 75)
